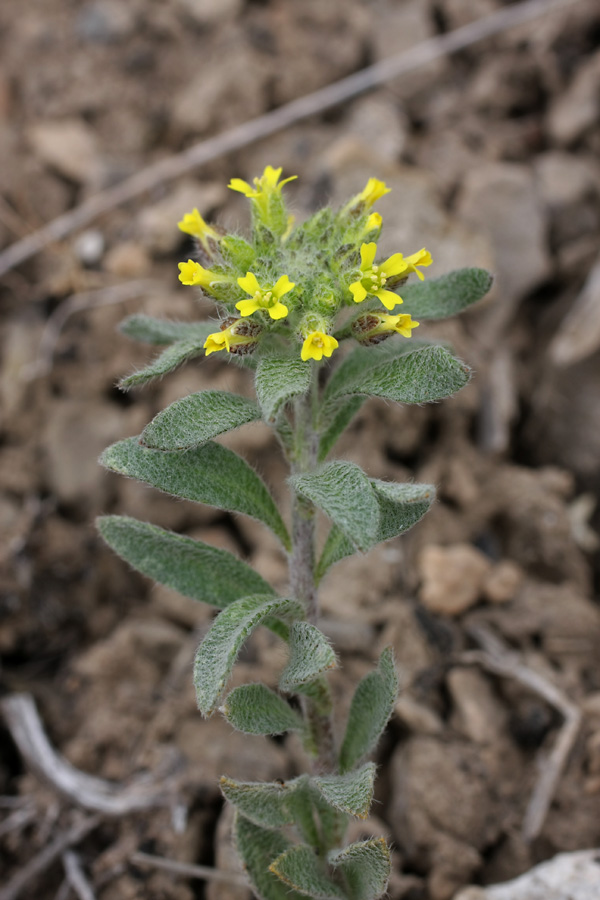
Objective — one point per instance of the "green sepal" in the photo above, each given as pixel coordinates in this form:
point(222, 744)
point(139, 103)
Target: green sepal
point(421, 376)
point(311, 654)
point(351, 793)
point(344, 493)
point(440, 298)
point(278, 380)
point(340, 418)
point(163, 331)
point(371, 707)
point(366, 867)
point(400, 507)
point(198, 418)
point(238, 252)
point(169, 359)
point(257, 848)
point(300, 869)
point(191, 567)
point(218, 652)
point(267, 804)
point(209, 474)
point(254, 709)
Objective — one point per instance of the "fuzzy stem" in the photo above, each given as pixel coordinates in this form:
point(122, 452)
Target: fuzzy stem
point(302, 564)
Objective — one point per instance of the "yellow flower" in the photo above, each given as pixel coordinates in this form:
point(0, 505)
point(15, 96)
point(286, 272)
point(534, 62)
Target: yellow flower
point(372, 328)
point(235, 336)
point(371, 193)
point(268, 298)
point(374, 278)
point(317, 345)
point(193, 224)
point(264, 187)
point(193, 273)
point(402, 324)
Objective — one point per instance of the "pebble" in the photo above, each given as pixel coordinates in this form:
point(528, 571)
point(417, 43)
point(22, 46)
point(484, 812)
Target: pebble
point(568, 876)
point(502, 582)
point(105, 22)
point(127, 260)
point(89, 247)
point(452, 578)
point(69, 147)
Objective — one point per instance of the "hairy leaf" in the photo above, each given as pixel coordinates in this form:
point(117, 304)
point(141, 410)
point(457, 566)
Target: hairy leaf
point(164, 331)
point(421, 376)
point(194, 569)
point(338, 422)
point(279, 379)
point(439, 298)
point(169, 359)
point(319, 823)
point(300, 869)
point(265, 804)
point(351, 793)
point(209, 474)
point(258, 847)
point(198, 418)
point(218, 651)
point(311, 654)
point(400, 507)
point(344, 493)
point(370, 710)
point(366, 866)
point(254, 709)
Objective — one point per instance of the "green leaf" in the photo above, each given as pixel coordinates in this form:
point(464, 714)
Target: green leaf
point(265, 804)
point(209, 474)
point(218, 651)
point(196, 419)
point(254, 709)
point(371, 707)
point(400, 507)
point(439, 298)
point(421, 376)
point(257, 848)
point(194, 569)
point(163, 331)
point(279, 379)
point(168, 360)
point(366, 866)
point(318, 822)
point(344, 493)
point(311, 654)
point(339, 421)
point(351, 793)
point(300, 869)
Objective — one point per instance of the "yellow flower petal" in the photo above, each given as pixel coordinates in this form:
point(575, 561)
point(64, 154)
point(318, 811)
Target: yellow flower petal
point(279, 311)
point(191, 272)
point(216, 341)
point(283, 286)
point(238, 184)
point(394, 265)
point(388, 298)
point(358, 292)
point(317, 345)
point(367, 255)
point(373, 190)
point(249, 283)
point(247, 307)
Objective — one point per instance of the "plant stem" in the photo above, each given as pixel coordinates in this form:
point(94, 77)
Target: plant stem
point(302, 565)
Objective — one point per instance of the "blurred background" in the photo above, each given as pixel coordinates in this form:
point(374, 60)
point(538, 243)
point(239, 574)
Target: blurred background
point(492, 155)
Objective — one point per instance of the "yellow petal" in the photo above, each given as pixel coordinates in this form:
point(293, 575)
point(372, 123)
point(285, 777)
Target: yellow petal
point(247, 307)
point(283, 286)
point(237, 184)
point(190, 272)
point(216, 341)
point(358, 291)
point(249, 283)
point(388, 298)
point(394, 265)
point(367, 255)
point(278, 311)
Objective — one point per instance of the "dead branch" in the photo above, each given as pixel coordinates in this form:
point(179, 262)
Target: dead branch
point(42, 860)
point(496, 657)
point(205, 873)
point(297, 110)
point(83, 790)
point(76, 877)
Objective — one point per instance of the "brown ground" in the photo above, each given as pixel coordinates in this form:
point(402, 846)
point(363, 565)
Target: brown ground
point(493, 158)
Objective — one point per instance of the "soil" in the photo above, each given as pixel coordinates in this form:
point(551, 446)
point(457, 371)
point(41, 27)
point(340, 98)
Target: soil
point(492, 156)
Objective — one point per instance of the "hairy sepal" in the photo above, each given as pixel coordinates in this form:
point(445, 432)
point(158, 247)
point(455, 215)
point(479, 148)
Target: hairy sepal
point(209, 474)
point(440, 298)
point(370, 710)
point(198, 418)
point(218, 652)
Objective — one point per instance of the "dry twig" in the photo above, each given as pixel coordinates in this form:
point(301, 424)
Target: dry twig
point(270, 123)
point(42, 860)
point(496, 657)
point(83, 790)
point(76, 877)
point(205, 873)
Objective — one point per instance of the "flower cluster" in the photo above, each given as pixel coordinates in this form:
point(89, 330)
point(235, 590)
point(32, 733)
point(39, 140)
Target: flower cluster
point(299, 283)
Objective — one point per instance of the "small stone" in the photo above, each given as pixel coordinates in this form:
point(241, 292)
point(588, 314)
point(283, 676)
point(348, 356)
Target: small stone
point(477, 712)
point(452, 578)
point(105, 21)
point(416, 717)
point(69, 147)
point(89, 247)
point(568, 876)
point(127, 260)
point(502, 582)
point(210, 12)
